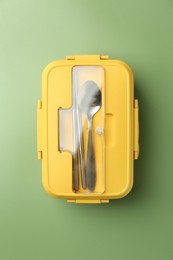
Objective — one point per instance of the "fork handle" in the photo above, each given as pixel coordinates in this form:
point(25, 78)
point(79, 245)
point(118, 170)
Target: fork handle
point(90, 161)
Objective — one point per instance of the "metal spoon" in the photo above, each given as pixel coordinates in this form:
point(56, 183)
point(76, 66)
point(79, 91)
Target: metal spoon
point(89, 100)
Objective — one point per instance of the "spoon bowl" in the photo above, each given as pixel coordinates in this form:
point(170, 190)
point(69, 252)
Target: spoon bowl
point(89, 98)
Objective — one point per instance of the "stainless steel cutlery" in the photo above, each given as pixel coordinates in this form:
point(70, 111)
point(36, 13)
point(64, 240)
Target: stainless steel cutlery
point(87, 101)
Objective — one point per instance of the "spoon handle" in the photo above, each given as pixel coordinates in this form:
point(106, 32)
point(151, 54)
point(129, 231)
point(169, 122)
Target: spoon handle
point(90, 161)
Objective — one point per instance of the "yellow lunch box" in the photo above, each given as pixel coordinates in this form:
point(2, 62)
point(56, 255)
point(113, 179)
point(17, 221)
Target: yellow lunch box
point(87, 129)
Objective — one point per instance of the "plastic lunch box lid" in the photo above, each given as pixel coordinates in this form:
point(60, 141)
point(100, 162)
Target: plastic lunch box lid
point(121, 133)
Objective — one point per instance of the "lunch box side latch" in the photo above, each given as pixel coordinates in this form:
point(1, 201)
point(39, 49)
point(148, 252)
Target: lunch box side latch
point(39, 130)
point(136, 129)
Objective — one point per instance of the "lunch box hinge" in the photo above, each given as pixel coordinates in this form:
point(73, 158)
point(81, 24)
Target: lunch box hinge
point(70, 57)
point(104, 57)
point(136, 129)
point(39, 129)
point(87, 57)
point(88, 201)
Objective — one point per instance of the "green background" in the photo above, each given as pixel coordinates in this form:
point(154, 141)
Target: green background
point(34, 225)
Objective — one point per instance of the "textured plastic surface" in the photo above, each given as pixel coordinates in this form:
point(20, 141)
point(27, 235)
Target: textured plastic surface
point(120, 128)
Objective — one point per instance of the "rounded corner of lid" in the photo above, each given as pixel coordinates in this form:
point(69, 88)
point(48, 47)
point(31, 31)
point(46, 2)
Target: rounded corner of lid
point(47, 188)
point(128, 68)
point(127, 189)
point(49, 67)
